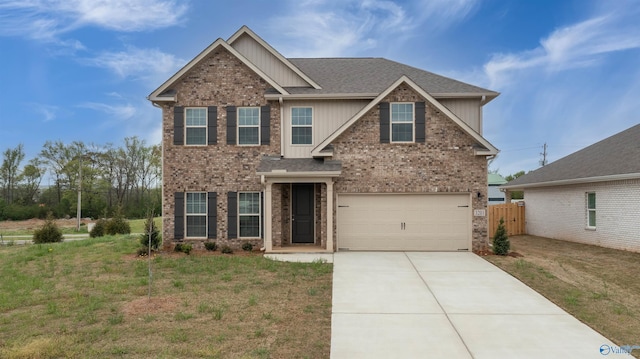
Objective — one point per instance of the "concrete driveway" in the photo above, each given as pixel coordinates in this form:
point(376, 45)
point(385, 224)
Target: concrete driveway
point(447, 305)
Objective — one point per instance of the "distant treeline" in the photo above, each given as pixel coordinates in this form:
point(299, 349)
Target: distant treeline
point(108, 177)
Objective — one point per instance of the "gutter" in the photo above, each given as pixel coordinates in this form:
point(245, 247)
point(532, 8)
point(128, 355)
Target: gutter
point(618, 177)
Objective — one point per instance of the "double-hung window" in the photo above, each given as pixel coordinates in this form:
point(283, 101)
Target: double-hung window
point(591, 210)
point(196, 126)
point(249, 125)
point(402, 120)
point(301, 126)
point(249, 214)
point(196, 214)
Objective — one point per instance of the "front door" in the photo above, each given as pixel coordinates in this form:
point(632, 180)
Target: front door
point(302, 215)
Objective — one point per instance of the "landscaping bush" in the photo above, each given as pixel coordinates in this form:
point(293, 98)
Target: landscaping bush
point(183, 247)
point(118, 224)
point(247, 246)
point(99, 229)
point(501, 244)
point(210, 246)
point(150, 230)
point(226, 250)
point(49, 233)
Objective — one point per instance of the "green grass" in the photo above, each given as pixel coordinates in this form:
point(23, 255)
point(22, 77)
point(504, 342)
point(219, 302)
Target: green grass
point(83, 299)
point(137, 225)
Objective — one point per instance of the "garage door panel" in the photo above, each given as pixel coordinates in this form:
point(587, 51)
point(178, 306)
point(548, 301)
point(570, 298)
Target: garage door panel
point(404, 222)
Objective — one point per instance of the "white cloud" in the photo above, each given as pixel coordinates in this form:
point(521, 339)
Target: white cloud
point(47, 20)
point(348, 27)
point(48, 112)
point(116, 112)
point(151, 65)
point(578, 45)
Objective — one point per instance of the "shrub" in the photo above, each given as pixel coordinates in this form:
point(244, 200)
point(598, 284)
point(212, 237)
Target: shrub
point(247, 246)
point(183, 247)
point(118, 224)
point(99, 229)
point(151, 234)
point(501, 243)
point(143, 251)
point(226, 249)
point(49, 233)
point(210, 246)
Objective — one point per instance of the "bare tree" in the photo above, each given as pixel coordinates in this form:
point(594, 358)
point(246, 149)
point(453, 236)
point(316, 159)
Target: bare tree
point(9, 172)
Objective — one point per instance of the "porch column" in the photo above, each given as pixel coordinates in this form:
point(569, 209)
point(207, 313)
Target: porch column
point(268, 242)
point(329, 215)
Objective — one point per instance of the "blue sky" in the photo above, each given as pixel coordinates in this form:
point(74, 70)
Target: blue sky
point(568, 71)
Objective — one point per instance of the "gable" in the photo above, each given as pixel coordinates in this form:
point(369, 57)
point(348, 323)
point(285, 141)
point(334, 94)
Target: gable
point(166, 93)
point(483, 148)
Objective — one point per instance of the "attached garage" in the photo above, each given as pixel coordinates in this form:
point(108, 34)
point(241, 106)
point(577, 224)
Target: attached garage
point(404, 222)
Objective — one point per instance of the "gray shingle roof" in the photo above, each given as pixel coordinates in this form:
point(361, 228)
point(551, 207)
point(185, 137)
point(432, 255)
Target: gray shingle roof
point(292, 165)
point(615, 155)
point(373, 75)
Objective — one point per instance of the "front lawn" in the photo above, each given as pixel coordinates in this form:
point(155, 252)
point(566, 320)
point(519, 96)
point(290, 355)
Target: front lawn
point(599, 286)
point(89, 299)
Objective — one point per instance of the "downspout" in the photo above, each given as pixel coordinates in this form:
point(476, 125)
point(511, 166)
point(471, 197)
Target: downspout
point(281, 127)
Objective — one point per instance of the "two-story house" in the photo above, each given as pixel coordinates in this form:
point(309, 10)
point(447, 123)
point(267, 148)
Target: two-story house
point(327, 153)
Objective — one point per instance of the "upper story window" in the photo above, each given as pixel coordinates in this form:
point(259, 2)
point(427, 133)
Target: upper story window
point(249, 125)
point(196, 214)
point(402, 122)
point(591, 210)
point(196, 126)
point(301, 126)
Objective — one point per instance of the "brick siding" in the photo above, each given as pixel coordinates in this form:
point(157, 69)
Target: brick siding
point(218, 80)
point(560, 213)
point(445, 163)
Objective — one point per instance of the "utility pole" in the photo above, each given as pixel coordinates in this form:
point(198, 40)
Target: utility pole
point(543, 162)
point(79, 211)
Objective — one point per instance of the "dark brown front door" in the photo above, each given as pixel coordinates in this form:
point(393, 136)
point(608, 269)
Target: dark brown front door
point(302, 215)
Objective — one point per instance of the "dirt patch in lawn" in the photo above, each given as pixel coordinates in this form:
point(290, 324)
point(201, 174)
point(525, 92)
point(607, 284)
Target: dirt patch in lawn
point(37, 223)
point(149, 306)
point(597, 285)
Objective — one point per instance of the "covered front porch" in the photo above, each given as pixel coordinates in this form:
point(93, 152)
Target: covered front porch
point(298, 204)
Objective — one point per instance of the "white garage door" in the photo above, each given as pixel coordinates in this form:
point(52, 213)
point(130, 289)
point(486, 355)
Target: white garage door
point(408, 222)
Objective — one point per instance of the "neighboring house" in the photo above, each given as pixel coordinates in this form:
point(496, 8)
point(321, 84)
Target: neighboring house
point(326, 153)
point(591, 196)
point(496, 196)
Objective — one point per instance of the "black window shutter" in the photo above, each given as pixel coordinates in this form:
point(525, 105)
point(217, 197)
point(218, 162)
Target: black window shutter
point(212, 125)
point(212, 215)
point(232, 215)
point(265, 123)
point(262, 205)
point(178, 125)
point(178, 212)
point(231, 125)
point(384, 122)
point(419, 108)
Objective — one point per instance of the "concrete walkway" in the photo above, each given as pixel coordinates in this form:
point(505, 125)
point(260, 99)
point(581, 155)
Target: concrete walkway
point(447, 305)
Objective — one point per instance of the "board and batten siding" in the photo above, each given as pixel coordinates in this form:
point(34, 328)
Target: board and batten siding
point(468, 110)
point(267, 62)
point(328, 115)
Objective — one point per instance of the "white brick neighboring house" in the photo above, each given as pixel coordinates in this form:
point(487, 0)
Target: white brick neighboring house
point(591, 196)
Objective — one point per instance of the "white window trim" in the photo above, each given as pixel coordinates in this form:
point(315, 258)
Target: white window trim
point(238, 126)
point(589, 210)
point(187, 214)
point(259, 214)
point(291, 126)
point(206, 128)
point(413, 122)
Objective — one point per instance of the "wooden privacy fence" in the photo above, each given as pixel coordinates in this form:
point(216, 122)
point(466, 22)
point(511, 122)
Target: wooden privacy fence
point(513, 214)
